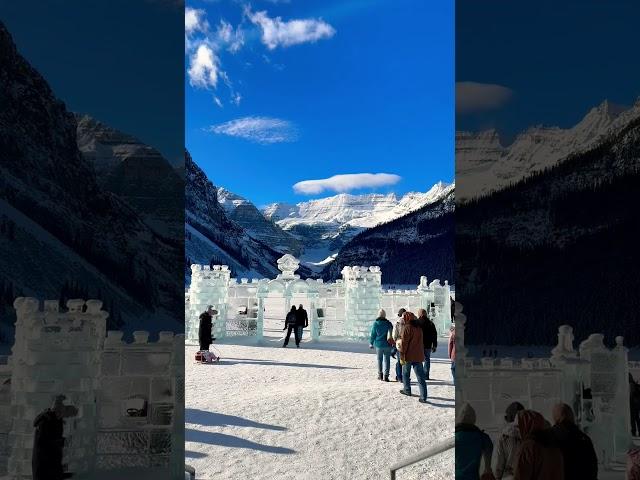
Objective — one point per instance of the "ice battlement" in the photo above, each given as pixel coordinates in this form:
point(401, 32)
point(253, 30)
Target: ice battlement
point(128, 394)
point(592, 379)
point(344, 308)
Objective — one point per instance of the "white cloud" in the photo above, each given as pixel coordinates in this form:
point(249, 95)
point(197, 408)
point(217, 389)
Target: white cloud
point(279, 33)
point(195, 21)
point(475, 97)
point(204, 68)
point(217, 101)
point(236, 98)
point(263, 130)
point(346, 183)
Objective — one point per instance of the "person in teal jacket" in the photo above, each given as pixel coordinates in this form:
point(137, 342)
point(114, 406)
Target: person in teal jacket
point(380, 333)
point(473, 447)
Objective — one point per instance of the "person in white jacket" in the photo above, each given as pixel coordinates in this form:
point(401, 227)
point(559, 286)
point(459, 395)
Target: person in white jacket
point(508, 443)
point(397, 336)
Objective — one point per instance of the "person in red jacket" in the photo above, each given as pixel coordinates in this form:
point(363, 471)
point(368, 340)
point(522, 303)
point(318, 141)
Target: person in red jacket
point(452, 351)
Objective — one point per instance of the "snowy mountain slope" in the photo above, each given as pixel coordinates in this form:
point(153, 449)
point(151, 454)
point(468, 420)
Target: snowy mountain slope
point(135, 172)
point(483, 164)
point(559, 247)
point(44, 177)
point(211, 237)
point(247, 215)
point(419, 243)
point(324, 225)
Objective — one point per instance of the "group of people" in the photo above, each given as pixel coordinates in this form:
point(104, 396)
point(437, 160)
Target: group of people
point(411, 341)
point(528, 448)
point(296, 321)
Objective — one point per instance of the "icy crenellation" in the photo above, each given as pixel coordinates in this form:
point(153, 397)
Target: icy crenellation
point(129, 396)
point(491, 384)
point(345, 308)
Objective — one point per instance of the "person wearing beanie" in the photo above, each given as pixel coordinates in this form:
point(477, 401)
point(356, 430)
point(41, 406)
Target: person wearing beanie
point(379, 339)
point(508, 443)
point(397, 337)
point(473, 446)
point(538, 457)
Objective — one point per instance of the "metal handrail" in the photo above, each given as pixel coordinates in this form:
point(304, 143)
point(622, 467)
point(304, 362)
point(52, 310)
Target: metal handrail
point(423, 455)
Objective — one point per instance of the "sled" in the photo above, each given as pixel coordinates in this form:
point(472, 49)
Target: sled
point(205, 356)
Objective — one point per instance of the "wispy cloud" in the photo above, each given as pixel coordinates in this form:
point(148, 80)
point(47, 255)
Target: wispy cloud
point(474, 97)
point(279, 33)
point(346, 183)
point(263, 130)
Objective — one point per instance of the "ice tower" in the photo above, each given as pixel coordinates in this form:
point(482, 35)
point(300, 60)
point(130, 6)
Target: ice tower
point(363, 291)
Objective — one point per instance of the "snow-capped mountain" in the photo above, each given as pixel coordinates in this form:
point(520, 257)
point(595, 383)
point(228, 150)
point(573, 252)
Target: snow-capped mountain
point(62, 226)
point(559, 247)
point(212, 237)
point(324, 225)
point(419, 243)
point(247, 215)
point(134, 171)
point(484, 165)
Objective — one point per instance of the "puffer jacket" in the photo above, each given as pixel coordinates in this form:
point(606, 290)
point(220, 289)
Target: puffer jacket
point(380, 331)
point(412, 346)
point(508, 445)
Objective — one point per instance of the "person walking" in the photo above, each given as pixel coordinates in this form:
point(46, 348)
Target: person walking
point(429, 339)
point(381, 333)
point(205, 328)
point(538, 457)
point(397, 337)
point(580, 460)
point(290, 324)
point(452, 351)
point(302, 322)
point(48, 441)
point(412, 356)
point(508, 443)
point(473, 446)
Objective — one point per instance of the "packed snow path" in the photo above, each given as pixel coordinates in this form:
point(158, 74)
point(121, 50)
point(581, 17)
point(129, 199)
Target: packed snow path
point(318, 412)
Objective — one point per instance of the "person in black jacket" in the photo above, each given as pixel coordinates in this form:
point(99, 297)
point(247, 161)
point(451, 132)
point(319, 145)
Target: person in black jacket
point(302, 321)
point(634, 404)
point(205, 329)
point(48, 441)
point(290, 323)
point(580, 460)
point(429, 339)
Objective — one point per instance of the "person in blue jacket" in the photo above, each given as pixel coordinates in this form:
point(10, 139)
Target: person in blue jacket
point(380, 334)
point(473, 447)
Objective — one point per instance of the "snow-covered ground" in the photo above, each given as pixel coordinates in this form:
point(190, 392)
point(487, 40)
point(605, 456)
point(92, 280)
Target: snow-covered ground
point(317, 412)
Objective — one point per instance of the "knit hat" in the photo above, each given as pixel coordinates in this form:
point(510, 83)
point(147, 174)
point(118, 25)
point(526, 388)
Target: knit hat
point(401, 312)
point(466, 415)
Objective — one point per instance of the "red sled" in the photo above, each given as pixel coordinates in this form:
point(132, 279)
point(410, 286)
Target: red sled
point(205, 356)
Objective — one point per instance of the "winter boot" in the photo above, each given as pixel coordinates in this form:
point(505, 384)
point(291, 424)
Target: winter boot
point(386, 378)
point(379, 376)
point(404, 392)
point(423, 400)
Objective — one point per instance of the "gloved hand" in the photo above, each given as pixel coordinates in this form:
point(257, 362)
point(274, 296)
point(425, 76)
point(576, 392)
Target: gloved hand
point(433, 350)
point(370, 346)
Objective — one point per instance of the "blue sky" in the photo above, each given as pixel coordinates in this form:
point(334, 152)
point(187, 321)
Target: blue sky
point(353, 87)
point(120, 61)
point(557, 59)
